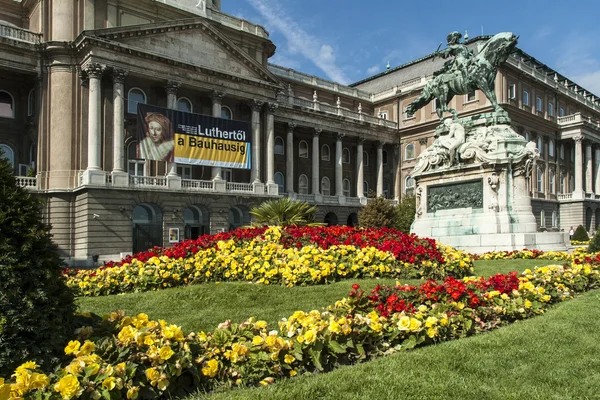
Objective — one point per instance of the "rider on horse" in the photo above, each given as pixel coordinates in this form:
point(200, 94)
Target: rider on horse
point(462, 55)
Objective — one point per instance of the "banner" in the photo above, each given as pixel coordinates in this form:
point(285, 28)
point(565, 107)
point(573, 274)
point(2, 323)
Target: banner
point(193, 139)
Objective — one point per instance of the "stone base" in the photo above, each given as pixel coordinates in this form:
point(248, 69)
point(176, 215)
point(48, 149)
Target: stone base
point(94, 177)
point(546, 241)
point(120, 179)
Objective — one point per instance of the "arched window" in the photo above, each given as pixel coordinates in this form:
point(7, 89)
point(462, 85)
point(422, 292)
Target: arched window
point(365, 159)
point(551, 148)
point(554, 219)
point(562, 151)
point(279, 145)
point(7, 105)
point(346, 187)
point(147, 221)
point(134, 97)
point(551, 182)
point(409, 185)
point(540, 180)
point(184, 104)
point(542, 218)
point(325, 153)
point(280, 181)
point(562, 183)
point(325, 186)
point(31, 103)
point(365, 189)
point(196, 221)
point(303, 184)
point(8, 154)
point(135, 165)
point(238, 216)
point(409, 152)
point(226, 112)
point(303, 149)
point(540, 145)
point(385, 157)
point(346, 155)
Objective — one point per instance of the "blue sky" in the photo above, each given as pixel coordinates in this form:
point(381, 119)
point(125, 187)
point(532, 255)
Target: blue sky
point(346, 41)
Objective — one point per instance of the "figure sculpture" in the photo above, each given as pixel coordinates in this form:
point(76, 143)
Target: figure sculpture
point(466, 72)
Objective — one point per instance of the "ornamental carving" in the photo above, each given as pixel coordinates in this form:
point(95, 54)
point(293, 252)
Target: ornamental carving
point(455, 195)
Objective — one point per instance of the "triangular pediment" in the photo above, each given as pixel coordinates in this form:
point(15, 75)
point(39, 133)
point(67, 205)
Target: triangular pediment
point(198, 44)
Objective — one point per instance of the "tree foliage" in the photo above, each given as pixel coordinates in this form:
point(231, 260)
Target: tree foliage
point(580, 234)
point(405, 213)
point(378, 212)
point(594, 245)
point(284, 211)
point(36, 307)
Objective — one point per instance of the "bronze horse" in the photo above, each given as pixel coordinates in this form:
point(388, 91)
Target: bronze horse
point(480, 74)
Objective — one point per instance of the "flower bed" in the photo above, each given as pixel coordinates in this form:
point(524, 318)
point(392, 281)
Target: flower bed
point(135, 357)
point(287, 256)
point(527, 254)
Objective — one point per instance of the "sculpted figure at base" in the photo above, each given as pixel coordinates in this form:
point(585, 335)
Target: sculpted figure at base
point(466, 72)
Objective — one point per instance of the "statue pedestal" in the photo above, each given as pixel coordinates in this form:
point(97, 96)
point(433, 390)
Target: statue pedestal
point(480, 203)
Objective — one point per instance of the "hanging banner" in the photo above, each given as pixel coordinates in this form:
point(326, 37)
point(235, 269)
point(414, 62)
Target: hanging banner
point(193, 139)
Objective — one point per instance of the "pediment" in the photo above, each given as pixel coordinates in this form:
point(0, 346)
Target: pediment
point(199, 44)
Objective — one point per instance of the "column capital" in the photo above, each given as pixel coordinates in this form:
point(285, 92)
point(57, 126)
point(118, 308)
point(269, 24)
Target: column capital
point(172, 87)
point(578, 138)
point(291, 126)
point(272, 107)
point(94, 70)
point(217, 95)
point(317, 131)
point(340, 136)
point(380, 144)
point(255, 104)
point(360, 140)
point(119, 75)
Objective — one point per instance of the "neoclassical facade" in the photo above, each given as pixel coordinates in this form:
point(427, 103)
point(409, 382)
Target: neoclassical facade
point(73, 73)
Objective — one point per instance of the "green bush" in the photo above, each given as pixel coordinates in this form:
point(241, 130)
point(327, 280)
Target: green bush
point(283, 212)
point(405, 213)
point(594, 245)
point(378, 212)
point(36, 307)
point(580, 234)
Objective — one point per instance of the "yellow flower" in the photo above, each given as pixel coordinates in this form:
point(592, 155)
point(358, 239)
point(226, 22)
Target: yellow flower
point(67, 386)
point(109, 383)
point(260, 324)
point(257, 340)
point(132, 393)
point(162, 384)
point(120, 368)
point(527, 304)
point(415, 324)
point(211, 369)
point(72, 347)
point(152, 374)
point(165, 352)
point(86, 349)
point(309, 337)
point(404, 323)
point(293, 372)
point(289, 358)
point(4, 390)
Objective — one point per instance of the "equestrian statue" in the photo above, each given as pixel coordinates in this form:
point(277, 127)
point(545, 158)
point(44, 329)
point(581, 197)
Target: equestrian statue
point(466, 72)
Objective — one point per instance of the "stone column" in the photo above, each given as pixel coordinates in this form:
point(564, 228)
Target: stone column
point(578, 193)
point(339, 187)
point(597, 177)
point(173, 180)
point(120, 177)
point(588, 169)
point(93, 174)
point(255, 172)
point(217, 100)
point(360, 170)
point(397, 173)
point(315, 162)
point(289, 159)
point(379, 169)
point(272, 188)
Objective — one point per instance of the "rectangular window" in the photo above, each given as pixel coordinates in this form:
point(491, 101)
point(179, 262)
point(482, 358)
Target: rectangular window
point(525, 98)
point(23, 169)
point(383, 115)
point(227, 174)
point(470, 96)
point(562, 151)
point(184, 172)
point(561, 112)
point(550, 109)
point(538, 103)
point(512, 91)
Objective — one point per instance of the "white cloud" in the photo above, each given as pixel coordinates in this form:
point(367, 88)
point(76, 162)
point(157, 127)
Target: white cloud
point(299, 41)
point(373, 70)
point(590, 81)
point(285, 61)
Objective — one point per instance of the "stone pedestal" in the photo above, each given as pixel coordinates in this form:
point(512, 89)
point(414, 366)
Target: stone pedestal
point(219, 184)
point(174, 182)
point(259, 188)
point(476, 198)
point(93, 177)
point(272, 189)
point(120, 179)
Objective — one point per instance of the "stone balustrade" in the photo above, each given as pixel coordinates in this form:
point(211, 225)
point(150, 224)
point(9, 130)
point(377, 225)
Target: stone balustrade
point(22, 35)
point(26, 182)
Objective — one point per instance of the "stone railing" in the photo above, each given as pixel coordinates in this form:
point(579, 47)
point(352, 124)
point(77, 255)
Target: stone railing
point(238, 187)
point(309, 198)
point(330, 200)
point(196, 185)
point(564, 196)
point(22, 35)
point(576, 119)
point(145, 181)
point(318, 82)
point(26, 182)
point(239, 24)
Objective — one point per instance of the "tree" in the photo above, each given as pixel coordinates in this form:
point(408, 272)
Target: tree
point(284, 211)
point(580, 234)
point(378, 212)
point(405, 213)
point(36, 307)
point(594, 245)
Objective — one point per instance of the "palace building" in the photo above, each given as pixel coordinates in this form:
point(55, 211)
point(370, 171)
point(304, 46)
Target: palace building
point(72, 73)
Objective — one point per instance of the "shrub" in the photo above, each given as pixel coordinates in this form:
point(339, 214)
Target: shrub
point(36, 307)
point(580, 234)
point(283, 212)
point(594, 245)
point(405, 213)
point(378, 213)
